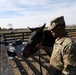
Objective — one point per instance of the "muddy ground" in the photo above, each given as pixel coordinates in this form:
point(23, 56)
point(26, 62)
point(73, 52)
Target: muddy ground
point(36, 64)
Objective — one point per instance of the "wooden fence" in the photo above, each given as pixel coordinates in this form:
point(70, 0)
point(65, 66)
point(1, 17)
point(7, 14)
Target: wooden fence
point(5, 66)
point(9, 37)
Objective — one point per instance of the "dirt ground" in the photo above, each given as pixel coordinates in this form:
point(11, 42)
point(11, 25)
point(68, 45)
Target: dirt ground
point(36, 64)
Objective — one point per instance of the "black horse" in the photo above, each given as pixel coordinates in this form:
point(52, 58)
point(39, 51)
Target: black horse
point(38, 35)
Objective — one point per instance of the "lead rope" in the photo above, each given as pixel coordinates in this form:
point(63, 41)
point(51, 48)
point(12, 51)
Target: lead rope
point(39, 56)
point(40, 63)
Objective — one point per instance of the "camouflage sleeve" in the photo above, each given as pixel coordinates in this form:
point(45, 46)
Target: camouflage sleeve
point(69, 60)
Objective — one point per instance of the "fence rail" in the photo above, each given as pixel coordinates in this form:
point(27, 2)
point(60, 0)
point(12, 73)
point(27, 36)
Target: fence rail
point(9, 37)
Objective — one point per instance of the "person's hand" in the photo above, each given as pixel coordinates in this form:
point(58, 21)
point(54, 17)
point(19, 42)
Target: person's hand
point(39, 46)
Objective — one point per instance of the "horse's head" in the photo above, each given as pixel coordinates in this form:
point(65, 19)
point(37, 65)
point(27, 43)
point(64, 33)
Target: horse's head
point(33, 40)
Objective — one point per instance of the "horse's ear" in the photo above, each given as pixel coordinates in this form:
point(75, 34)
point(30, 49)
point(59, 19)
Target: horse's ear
point(34, 29)
point(43, 26)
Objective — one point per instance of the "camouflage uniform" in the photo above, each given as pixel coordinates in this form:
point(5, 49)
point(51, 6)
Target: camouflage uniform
point(63, 59)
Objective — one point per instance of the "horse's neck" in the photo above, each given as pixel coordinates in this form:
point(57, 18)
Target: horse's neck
point(47, 39)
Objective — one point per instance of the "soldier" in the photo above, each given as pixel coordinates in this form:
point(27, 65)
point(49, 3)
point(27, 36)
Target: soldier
point(63, 58)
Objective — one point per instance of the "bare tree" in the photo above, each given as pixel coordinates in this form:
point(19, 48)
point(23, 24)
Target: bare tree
point(10, 26)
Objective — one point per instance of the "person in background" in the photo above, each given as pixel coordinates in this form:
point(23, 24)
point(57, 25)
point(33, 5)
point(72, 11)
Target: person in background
point(63, 58)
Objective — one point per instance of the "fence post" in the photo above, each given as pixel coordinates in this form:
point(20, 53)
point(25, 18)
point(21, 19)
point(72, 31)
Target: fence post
point(23, 35)
point(5, 66)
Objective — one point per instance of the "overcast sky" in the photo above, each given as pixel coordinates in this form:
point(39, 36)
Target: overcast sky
point(34, 13)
